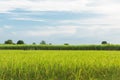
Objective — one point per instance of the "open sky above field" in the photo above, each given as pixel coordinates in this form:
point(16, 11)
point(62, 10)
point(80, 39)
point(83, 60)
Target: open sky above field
point(60, 21)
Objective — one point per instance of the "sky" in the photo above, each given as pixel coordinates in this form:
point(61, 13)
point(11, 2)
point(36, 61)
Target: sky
point(60, 21)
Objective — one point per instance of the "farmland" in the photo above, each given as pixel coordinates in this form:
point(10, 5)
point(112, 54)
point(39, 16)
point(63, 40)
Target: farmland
point(59, 47)
point(59, 65)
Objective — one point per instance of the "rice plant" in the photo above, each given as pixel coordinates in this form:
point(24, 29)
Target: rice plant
point(59, 65)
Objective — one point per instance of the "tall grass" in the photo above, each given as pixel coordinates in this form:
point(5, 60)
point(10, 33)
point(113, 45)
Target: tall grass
point(59, 65)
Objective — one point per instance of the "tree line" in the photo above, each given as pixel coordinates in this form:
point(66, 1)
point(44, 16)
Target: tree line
point(22, 42)
point(42, 42)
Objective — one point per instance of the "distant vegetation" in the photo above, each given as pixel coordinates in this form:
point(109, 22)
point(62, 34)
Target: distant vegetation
point(59, 47)
point(104, 42)
point(9, 41)
point(20, 42)
point(20, 45)
point(43, 42)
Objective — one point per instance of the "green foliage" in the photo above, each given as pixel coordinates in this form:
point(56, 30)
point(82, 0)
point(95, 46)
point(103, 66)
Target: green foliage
point(43, 42)
point(59, 47)
point(104, 42)
point(66, 44)
point(59, 65)
point(20, 42)
point(34, 43)
point(8, 42)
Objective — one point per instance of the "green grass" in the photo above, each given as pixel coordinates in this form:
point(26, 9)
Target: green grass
point(59, 65)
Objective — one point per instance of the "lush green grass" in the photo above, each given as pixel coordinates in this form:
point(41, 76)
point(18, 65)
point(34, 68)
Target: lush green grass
point(59, 65)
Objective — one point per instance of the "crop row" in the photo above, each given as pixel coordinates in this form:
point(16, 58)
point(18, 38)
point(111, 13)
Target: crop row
point(59, 47)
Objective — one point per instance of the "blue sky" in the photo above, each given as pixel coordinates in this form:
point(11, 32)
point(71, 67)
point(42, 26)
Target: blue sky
point(60, 21)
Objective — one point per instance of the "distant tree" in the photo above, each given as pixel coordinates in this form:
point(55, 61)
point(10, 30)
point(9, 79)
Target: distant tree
point(34, 43)
point(104, 42)
point(8, 42)
point(50, 43)
point(66, 44)
point(43, 42)
point(20, 42)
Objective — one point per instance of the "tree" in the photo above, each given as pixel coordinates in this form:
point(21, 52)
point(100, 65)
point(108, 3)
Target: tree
point(20, 42)
point(43, 42)
point(34, 43)
point(50, 43)
point(104, 42)
point(8, 42)
point(66, 44)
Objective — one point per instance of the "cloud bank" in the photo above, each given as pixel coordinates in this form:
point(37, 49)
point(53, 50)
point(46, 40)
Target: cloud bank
point(62, 20)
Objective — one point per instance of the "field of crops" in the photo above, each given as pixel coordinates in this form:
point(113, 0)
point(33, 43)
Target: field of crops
point(59, 65)
point(59, 47)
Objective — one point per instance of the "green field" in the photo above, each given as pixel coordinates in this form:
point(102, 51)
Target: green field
point(59, 65)
point(59, 47)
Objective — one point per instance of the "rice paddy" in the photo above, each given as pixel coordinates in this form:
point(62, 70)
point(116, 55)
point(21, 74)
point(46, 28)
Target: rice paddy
point(59, 65)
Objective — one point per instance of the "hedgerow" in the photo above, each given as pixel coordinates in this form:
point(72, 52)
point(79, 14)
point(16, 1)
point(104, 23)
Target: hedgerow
point(59, 47)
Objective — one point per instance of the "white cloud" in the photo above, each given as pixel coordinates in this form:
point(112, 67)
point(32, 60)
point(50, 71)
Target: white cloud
point(28, 19)
point(13, 33)
point(7, 27)
point(46, 5)
point(103, 6)
point(91, 32)
point(4, 28)
point(112, 21)
point(110, 8)
point(82, 31)
point(49, 31)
